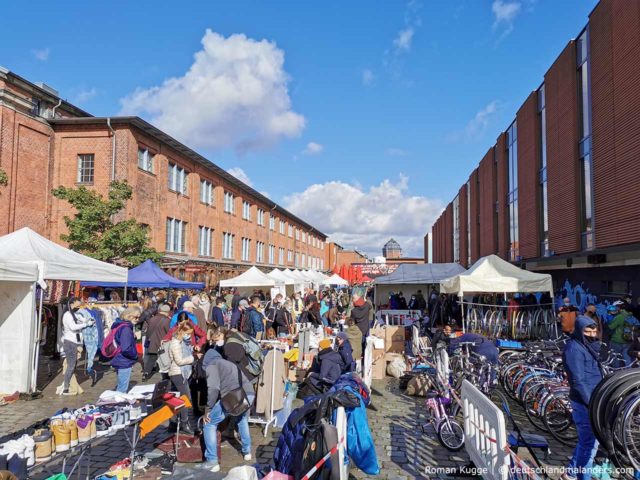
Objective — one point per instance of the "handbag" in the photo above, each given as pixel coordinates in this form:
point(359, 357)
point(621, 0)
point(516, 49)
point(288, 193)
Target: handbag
point(235, 403)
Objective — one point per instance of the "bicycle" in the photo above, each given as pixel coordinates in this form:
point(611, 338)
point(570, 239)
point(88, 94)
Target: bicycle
point(442, 412)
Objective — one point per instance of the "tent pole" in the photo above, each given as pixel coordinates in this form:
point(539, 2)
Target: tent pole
point(461, 297)
point(36, 349)
point(125, 294)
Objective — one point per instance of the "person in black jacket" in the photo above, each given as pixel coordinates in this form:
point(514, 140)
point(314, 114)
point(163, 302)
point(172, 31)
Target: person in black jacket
point(326, 367)
point(346, 353)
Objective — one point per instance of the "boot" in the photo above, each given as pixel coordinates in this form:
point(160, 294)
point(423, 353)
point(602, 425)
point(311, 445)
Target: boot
point(62, 435)
point(42, 439)
point(73, 431)
point(84, 428)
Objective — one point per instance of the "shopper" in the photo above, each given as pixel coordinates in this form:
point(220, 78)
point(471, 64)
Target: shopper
point(592, 313)
point(325, 369)
point(127, 354)
point(580, 357)
point(481, 344)
point(200, 335)
point(188, 308)
point(205, 305)
point(298, 306)
point(616, 326)
point(236, 314)
point(181, 356)
point(346, 353)
point(217, 312)
point(223, 378)
point(354, 335)
point(360, 315)
point(199, 312)
point(72, 326)
point(157, 328)
point(252, 319)
point(567, 315)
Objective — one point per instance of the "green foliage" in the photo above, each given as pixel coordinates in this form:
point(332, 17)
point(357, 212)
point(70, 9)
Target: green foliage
point(94, 232)
point(4, 178)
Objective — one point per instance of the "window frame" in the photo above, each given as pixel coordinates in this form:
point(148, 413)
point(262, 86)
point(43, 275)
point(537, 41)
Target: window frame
point(80, 174)
point(147, 159)
point(207, 233)
point(178, 176)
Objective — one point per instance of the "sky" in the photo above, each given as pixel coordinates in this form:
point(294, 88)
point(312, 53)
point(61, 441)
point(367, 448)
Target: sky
point(362, 117)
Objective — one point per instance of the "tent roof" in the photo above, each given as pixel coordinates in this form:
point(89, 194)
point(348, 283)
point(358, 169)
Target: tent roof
point(148, 275)
point(335, 279)
point(493, 274)
point(280, 277)
point(18, 271)
point(420, 274)
point(54, 261)
point(251, 278)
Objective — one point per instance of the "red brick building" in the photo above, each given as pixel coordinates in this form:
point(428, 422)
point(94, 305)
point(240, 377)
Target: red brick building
point(208, 224)
point(559, 190)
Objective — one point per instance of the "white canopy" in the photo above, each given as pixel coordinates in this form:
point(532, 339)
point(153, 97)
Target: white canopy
point(491, 274)
point(279, 277)
point(11, 271)
point(420, 274)
point(54, 261)
point(251, 278)
point(299, 276)
point(318, 276)
point(335, 279)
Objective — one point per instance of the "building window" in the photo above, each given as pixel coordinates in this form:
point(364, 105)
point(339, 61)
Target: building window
point(304, 237)
point(468, 222)
point(282, 227)
point(272, 254)
point(586, 162)
point(227, 245)
point(246, 249)
point(261, 217)
point(297, 234)
point(176, 234)
point(259, 252)
point(85, 168)
point(272, 222)
point(290, 231)
point(542, 175)
point(206, 192)
point(303, 258)
point(205, 234)
point(289, 256)
point(177, 179)
point(145, 159)
point(281, 256)
point(229, 203)
point(456, 229)
point(246, 210)
point(512, 196)
point(321, 264)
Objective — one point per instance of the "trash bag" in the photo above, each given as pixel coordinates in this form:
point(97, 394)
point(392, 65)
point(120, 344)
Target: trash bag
point(396, 367)
point(419, 386)
point(244, 472)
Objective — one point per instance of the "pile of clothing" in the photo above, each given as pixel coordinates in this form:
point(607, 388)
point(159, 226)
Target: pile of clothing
point(310, 433)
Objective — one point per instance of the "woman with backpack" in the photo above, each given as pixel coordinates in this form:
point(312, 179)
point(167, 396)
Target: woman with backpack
point(180, 354)
point(125, 354)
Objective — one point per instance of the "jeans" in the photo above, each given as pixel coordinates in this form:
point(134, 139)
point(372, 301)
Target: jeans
point(150, 360)
point(622, 349)
point(210, 431)
point(124, 375)
point(587, 447)
point(71, 354)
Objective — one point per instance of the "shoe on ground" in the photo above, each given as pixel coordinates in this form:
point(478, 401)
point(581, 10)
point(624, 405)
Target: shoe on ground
point(210, 466)
point(187, 429)
point(247, 457)
point(67, 392)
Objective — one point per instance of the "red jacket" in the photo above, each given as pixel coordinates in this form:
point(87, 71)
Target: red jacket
point(201, 335)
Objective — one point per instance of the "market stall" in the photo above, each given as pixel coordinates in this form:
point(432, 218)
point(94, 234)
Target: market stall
point(335, 279)
point(247, 281)
point(53, 262)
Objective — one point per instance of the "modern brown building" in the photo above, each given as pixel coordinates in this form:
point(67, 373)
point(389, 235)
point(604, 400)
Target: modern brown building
point(559, 190)
point(208, 224)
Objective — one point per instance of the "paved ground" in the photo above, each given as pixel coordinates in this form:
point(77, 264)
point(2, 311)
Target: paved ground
point(404, 449)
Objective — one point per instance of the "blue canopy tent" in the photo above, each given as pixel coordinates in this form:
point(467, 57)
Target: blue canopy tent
point(148, 275)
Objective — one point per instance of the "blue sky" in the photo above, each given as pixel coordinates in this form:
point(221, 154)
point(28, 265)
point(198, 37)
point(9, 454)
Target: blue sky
point(363, 117)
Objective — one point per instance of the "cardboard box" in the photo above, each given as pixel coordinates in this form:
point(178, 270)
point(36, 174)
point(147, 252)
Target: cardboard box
point(379, 367)
point(395, 339)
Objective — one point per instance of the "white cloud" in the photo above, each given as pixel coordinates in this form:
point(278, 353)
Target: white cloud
point(41, 54)
point(477, 125)
point(85, 95)
point(235, 94)
point(505, 13)
point(241, 175)
point(313, 148)
point(396, 152)
point(402, 43)
point(368, 78)
point(355, 217)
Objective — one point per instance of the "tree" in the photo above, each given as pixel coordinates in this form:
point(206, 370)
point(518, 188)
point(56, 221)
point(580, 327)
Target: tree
point(4, 178)
point(93, 231)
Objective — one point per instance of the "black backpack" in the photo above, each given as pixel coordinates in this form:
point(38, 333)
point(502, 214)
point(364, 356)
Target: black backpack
point(245, 324)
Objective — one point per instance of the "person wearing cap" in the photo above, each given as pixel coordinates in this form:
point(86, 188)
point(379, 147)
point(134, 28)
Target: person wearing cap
point(187, 307)
point(592, 313)
point(217, 312)
point(326, 368)
point(125, 339)
point(581, 361)
point(198, 312)
point(346, 353)
point(236, 314)
point(157, 328)
point(616, 326)
point(567, 315)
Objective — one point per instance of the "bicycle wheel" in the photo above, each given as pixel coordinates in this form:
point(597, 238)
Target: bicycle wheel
point(631, 432)
point(450, 435)
point(558, 419)
point(532, 403)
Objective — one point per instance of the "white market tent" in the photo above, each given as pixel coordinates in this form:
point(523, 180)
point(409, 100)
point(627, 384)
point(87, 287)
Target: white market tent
point(251, 279)
point(491, 274)
point(280, 278)
point(335, 279)
point(40, 259)
point(409, 278)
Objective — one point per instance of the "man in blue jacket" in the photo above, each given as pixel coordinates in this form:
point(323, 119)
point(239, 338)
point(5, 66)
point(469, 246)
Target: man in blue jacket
point(481, 345)
point(252, 318)
point(580, 356)
point(127, 354)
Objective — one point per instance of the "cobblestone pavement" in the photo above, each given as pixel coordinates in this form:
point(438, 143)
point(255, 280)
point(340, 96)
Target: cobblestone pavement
point(404, 449)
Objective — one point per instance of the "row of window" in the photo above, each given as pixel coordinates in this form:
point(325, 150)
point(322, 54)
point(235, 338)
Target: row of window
point(175, 243)
point(178, 182)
